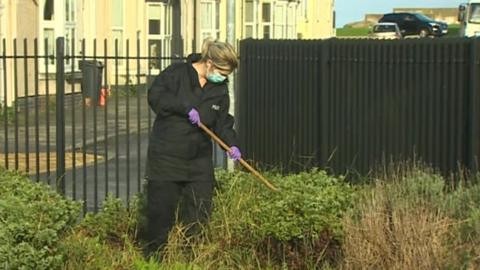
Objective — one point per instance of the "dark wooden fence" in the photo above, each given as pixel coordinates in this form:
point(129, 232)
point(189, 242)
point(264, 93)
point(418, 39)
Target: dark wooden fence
point(354, 104)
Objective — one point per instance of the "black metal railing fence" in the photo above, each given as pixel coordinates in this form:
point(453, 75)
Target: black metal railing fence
point(87, 143)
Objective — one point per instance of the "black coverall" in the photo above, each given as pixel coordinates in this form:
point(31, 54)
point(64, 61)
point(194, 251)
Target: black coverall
point(179, 163)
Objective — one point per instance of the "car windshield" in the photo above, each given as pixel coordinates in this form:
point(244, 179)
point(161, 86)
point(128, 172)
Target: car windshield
point(423, 17)
point(381, 28)
point(475, 13)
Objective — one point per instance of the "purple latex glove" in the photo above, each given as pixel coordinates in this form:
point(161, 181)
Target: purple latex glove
point(234, 153)
point(194, 117)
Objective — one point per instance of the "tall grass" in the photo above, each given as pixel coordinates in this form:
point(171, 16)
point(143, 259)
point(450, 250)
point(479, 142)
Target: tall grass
point(252, 228)
point(386, 232)
point(409, 219)
point(404, 218)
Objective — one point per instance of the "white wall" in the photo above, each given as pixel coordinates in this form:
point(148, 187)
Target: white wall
point(7, 31)
point(2, 36)
point(2, 19)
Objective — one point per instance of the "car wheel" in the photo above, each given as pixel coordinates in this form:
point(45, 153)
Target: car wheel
point(424, 33)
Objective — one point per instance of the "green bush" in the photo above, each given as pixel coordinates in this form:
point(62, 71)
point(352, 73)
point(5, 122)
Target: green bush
point(112, 223)
point(33, 218)
point(417, 188)
point(463, 204)
point(301, 222)
point(308, 205)
point(104, 240)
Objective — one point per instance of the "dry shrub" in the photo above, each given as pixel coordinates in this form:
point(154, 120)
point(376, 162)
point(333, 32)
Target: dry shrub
point(204, 250)
point(384, 236)
point(301, 254)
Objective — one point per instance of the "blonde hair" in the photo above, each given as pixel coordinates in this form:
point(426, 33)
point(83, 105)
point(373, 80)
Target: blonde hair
point(222, 54)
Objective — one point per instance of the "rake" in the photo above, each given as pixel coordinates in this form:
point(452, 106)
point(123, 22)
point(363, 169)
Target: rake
point(242, 161)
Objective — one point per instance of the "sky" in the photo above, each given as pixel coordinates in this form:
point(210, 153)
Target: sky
point(354, 10)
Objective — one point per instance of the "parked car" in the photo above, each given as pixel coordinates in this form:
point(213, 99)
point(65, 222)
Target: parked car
point(416, 24)
point(385, 30)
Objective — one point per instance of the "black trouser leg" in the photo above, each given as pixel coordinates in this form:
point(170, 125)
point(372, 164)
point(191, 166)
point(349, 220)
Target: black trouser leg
point(162, 201)
point(163, 197)
point(196, 204)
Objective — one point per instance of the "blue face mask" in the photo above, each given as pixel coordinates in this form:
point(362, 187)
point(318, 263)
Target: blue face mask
point(215, 77)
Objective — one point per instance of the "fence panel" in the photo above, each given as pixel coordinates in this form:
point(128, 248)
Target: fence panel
point(364, 102)
point(276, 106)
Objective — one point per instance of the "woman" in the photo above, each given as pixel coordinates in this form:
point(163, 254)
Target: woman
point(179, 163)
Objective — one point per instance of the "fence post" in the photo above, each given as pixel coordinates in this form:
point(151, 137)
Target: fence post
point(470, 113)
point(60, 113)
point(322, 127)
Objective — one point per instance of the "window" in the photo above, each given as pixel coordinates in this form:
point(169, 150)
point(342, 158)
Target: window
point(47, 29)
point(421, 17)
point(117, 24)
point(250, 19)
point(48, 10)
point(302, 9)
point(266, 20)
point(285, 20)
point(117, 36)
point(291, 21)
point(381, 28)
point(210, 19)
point(475, 13)
point(70, 25)
point(409, 18)
point(49, 35)
point(280, 20)
point(69, 10)
point(154, 19)
point(388, 18)
point(159, 17)
point(50, 14)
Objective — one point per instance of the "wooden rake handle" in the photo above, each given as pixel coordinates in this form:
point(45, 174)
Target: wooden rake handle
point(243, 162)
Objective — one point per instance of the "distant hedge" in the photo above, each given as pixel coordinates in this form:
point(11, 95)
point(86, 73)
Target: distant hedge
point(33, 218)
